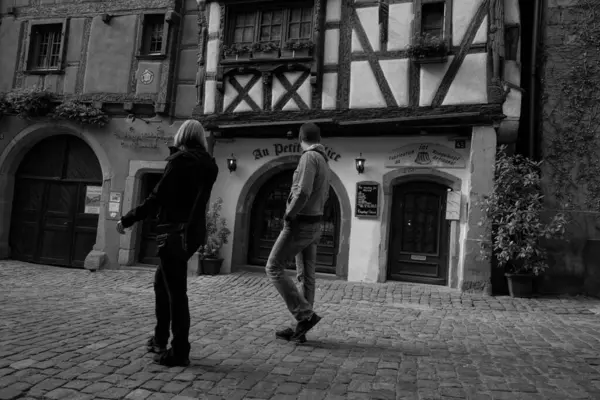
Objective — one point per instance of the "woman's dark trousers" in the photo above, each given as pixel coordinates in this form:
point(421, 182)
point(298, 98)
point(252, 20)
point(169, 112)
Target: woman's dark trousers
point(170, 288)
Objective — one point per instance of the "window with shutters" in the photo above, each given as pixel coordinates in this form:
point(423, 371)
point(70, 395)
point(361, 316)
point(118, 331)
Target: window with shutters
point(153, 37)
point(433, 18)
point(268, 28)
point(45, 47)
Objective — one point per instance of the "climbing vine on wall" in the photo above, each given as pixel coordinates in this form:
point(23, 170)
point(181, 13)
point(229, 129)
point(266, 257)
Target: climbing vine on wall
point(572, 106)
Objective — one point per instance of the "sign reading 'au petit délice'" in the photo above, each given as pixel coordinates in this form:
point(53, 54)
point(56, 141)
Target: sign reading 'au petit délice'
point(425, 155)
point(278, 149)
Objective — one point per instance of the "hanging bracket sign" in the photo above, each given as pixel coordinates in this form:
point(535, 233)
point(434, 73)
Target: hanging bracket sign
point(425, 155)
point(367, 199)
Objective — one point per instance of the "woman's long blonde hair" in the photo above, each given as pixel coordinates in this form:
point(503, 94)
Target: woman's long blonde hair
point(190, 134)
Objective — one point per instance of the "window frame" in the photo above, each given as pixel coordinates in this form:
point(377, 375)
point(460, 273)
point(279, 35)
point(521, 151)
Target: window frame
point(29, 48)
point(142, 38)
point(418, 19)
point(236, 8)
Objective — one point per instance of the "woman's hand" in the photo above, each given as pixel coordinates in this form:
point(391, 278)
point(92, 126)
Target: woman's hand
point(120, 228)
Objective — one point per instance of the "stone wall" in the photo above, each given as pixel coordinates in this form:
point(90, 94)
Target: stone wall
point(569, 61)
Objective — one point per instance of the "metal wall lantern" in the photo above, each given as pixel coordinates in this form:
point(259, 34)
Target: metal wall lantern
point(232, 163)
point(360, 164)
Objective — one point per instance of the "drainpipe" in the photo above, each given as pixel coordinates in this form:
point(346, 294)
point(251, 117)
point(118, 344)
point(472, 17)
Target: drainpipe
point(532, 83)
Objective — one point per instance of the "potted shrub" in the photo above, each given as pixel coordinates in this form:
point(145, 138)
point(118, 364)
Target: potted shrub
point(79, 112)
point(265, 50)
point(297, 48)
point(217, 235)
point(514, 213)
point(236, 52)
point(426, 49)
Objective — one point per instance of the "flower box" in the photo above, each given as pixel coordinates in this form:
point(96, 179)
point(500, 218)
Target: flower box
point(265, 54)
point(295, 53)
point(433, 59)
point(427, 49)
point(238, 56)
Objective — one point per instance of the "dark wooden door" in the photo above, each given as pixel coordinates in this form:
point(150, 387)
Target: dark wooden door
point(419, 234)
point(49, 224)
point(147, 254)
point(267, 221)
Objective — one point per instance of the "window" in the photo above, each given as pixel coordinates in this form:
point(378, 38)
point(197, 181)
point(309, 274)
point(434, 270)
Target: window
point(153, 35)
point(46, 41)
point(270, 25)
point(432, 20)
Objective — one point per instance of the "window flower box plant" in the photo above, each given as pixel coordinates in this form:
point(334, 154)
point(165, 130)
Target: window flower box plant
point(236, 52)
point(515, 215)
point(264, 50)
point(217, 234)
point(428, 49)
point(297, 48)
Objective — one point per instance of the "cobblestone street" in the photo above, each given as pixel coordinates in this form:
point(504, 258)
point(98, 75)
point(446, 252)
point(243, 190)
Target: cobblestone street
point(72, 334)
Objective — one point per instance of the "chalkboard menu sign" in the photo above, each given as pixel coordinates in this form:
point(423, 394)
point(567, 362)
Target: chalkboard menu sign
point(367, 199)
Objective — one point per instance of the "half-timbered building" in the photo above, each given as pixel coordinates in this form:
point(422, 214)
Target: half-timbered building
point(412, 97)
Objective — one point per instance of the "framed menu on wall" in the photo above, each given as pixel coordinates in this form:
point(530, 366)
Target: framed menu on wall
point(367, 200)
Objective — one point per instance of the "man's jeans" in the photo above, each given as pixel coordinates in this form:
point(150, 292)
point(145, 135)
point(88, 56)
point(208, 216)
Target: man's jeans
point(295, 238)
point(172, 309)
point(306, 264)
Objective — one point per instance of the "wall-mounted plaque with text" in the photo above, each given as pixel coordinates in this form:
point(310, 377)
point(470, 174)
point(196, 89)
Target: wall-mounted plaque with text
point(367, 200)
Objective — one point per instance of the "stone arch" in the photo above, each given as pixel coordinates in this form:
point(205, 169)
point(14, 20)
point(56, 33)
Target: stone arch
point(404, 175)
point(11, 158)
point(248, 195)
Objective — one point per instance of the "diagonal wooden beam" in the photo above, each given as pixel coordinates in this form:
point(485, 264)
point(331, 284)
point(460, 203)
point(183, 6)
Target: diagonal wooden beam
point(292, 91)
point(243, 94)
point(458, 59)
point(373, 61)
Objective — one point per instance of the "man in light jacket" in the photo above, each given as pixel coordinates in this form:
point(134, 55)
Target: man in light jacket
point(301, 233)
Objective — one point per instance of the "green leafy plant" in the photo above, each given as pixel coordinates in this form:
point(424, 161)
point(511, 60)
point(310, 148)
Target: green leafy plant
point(426, 45)
point(82, 113)
point(265, 47)
point(295, 45)
point(236, 49)
point(30, 102)
point(514, 214)
point(571, 114)
point(216, 231)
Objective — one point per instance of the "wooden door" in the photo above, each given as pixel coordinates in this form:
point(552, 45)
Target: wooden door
point(267, 221)
point(57, 223)
point(148, 248)
point(418, 249)
point(49, 224)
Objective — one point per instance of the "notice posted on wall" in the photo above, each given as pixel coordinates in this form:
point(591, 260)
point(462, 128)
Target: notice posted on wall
point(92, 199)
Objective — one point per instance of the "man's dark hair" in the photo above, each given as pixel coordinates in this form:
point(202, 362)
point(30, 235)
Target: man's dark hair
point(310, 133)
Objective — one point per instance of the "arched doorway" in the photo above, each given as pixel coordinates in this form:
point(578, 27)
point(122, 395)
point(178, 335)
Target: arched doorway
point(56, 203)
point(419, 235)
point(267, 214)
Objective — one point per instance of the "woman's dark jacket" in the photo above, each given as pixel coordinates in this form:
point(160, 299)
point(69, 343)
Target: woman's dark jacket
point(187, 171)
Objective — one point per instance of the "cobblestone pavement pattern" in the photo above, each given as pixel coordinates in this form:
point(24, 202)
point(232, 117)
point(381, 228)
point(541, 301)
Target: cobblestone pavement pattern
point(72, 334)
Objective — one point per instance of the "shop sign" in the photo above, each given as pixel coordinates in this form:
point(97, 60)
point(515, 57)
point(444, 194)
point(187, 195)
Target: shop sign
point(148, 138)
point(93, 194)
point(425, 155)
point(278, 149)
point(367, 200)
